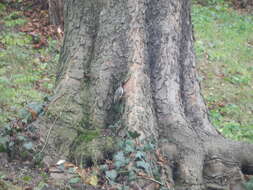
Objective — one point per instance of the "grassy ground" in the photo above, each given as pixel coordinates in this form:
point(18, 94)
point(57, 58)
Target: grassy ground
point(26, 74)
point(224, 49)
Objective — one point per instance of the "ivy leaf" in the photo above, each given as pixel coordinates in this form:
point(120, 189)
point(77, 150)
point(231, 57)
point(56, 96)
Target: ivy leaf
point(11, 144)
point(119, 164)
point(119, 156)
point(143, 165)
point(7, 128)
point(26, 119)
point(3, 142)
point(132, 176)
point(112, 126)
point(23, 113)
point(149, 146)
point(28, 145)
point(3, 139)
point(104, 167)
point(133, 134)
point(21, 138)
point(119, 159)
point(120, 144)
point(127, 161)
point(74, 180)
point(125, 188)
point(129, 149)
point(111, 174)
point(41, 186)
point(140, 155)
point(48, 98)
point(129, 142)
point(71, 170)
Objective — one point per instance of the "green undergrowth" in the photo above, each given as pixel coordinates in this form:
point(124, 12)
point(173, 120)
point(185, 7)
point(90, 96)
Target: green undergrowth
point(224, 49)
point(14, 18)
point(26, 74)
point(129, 161)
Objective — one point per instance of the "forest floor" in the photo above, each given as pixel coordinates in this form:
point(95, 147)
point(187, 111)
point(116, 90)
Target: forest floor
point(29, 51)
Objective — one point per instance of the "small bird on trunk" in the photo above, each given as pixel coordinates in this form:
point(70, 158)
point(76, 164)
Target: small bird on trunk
point(118, 94)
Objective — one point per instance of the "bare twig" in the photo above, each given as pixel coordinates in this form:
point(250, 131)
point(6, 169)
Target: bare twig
point(151, 179)
point(53, 124)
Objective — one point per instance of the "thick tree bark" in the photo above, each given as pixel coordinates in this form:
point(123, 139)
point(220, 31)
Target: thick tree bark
point(43, 4)
point(56, 12)
point(242, 3)
point(147, 45)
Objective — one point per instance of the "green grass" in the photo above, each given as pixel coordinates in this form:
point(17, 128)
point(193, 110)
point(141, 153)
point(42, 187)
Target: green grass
point(21, 68)
point(14, 19)
point(2, 8)
point(224, 49)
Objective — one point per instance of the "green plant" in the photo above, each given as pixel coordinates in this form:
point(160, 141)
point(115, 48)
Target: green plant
point(224, 56)
point(210, 2)
point(14, 19)
point(131, 160)
point(249, 185)
point(2, 8)
point(15, 39)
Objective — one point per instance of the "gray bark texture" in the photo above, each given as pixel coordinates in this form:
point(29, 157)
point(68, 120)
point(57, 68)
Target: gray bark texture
point(147, 46)
point(56, 12)
point(243, 3)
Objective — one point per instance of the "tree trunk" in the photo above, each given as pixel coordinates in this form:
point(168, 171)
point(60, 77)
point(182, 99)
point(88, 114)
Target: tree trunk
point(147, 47)
point(243, 3)
point(56, 12)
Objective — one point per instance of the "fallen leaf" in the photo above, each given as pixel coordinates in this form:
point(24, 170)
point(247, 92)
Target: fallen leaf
point(93, 180)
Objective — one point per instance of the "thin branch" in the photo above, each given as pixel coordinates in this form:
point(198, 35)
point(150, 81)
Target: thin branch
point(53, 124)
point(151, 179)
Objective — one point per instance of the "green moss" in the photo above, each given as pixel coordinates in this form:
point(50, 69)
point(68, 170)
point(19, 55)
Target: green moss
point(89, 135)
point(16, 22)
point(2, 8)
point(14, 19)
point(2, 148)
point(15, 39)
point(94, 150)
point(4, 185)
